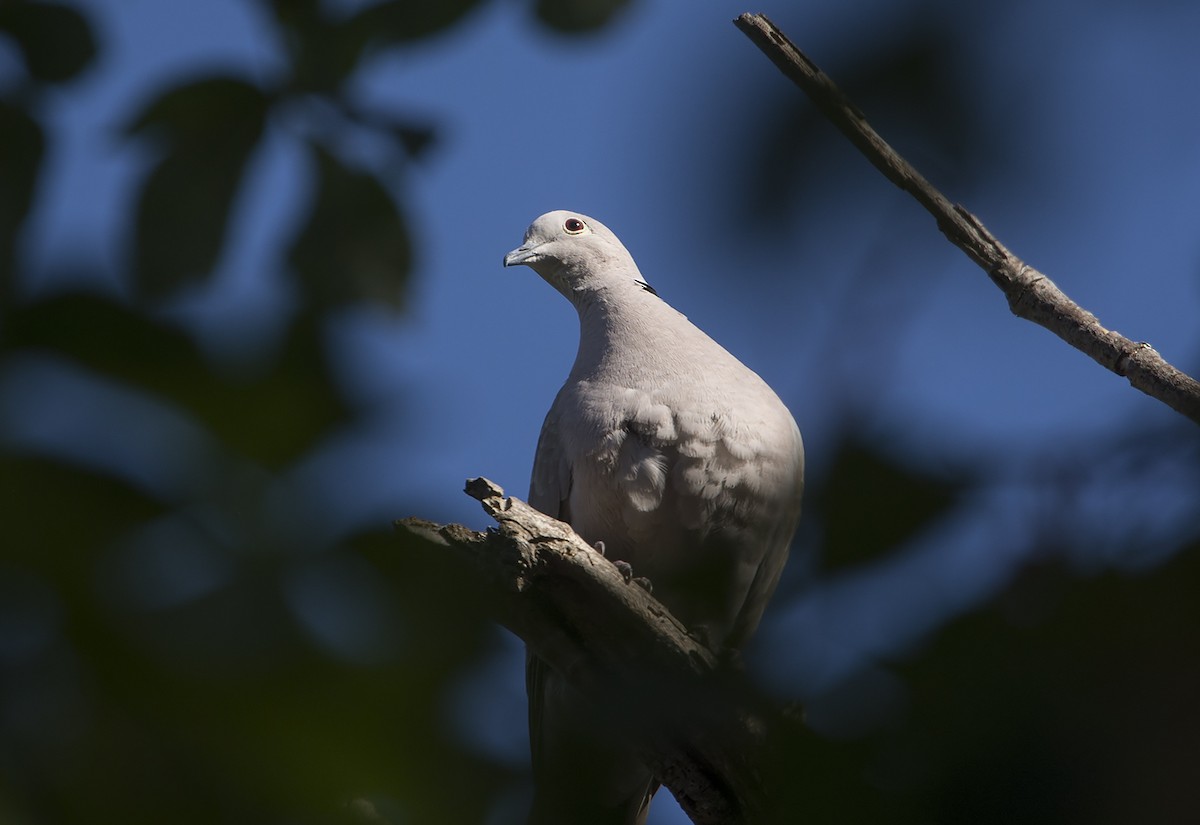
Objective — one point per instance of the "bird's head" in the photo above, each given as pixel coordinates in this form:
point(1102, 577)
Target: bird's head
point(575, 253)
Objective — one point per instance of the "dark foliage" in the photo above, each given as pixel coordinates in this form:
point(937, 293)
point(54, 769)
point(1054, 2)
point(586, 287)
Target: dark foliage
point(188, 645)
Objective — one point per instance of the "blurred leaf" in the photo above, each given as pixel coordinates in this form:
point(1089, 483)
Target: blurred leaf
point(288, 11)
point(578, 16)
point(870, 504)
point(204, 109)
point(53, 513)
point(209, 129)
point(822, 782)
point(55, 40)
point(401, 21)
point(298, 732)
point(448, 632)
point(282, 414)
point(355, 246)
point(416, 139)
point(911, 86)
point(272, 418)
point(103, 336)
point(323, 53)
point(21, 147)
point(1069, 700)
point(326, 50)
point(291, 736)
point(907, 87)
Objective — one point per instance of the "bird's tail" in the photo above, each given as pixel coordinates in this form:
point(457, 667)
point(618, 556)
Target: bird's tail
point(582, 776)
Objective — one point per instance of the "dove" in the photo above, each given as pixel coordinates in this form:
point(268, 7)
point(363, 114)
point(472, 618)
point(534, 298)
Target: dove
point(675, 458)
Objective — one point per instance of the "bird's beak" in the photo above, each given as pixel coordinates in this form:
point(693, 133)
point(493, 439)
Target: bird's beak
point(522, 255)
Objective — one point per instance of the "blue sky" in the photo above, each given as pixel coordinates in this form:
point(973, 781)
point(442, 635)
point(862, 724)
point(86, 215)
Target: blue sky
point(1102, 199)
point(1093, 107)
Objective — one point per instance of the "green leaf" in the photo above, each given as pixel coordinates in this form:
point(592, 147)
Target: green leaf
point(21, 148)
point(272, 417)
point(55, 40)
point(355, 246)
point(871, 503)
point(209, 130)
point(578, 16)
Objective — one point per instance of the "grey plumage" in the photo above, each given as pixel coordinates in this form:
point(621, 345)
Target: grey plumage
point(680, 459)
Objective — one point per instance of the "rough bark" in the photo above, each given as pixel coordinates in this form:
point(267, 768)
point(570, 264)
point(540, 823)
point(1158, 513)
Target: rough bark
point(692, 715)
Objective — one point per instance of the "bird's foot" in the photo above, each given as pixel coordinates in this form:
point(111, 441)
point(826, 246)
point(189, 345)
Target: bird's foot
point(625, 569)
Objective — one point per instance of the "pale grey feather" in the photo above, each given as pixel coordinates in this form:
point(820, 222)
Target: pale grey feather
point(674, 454)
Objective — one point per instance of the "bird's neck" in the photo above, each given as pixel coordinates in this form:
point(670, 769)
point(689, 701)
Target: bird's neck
point(605, 320)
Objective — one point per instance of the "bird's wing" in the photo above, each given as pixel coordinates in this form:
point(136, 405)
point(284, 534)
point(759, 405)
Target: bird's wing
point(550, 482)
point(549, 488)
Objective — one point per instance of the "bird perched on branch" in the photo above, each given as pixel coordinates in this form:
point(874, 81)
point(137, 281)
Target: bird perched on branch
point(676, 456)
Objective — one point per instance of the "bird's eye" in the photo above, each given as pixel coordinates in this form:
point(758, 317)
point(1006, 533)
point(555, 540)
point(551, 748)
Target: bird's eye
point(574, 226)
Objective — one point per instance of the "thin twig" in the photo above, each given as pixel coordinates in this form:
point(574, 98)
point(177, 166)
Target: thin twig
point(1031, 295)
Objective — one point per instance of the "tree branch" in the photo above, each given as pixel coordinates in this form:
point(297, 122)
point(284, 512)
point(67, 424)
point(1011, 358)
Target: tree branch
point(695, 722)
point(1031, 295)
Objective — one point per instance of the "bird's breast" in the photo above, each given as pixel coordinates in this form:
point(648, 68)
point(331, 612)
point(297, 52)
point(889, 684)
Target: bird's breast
point(654, 471)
